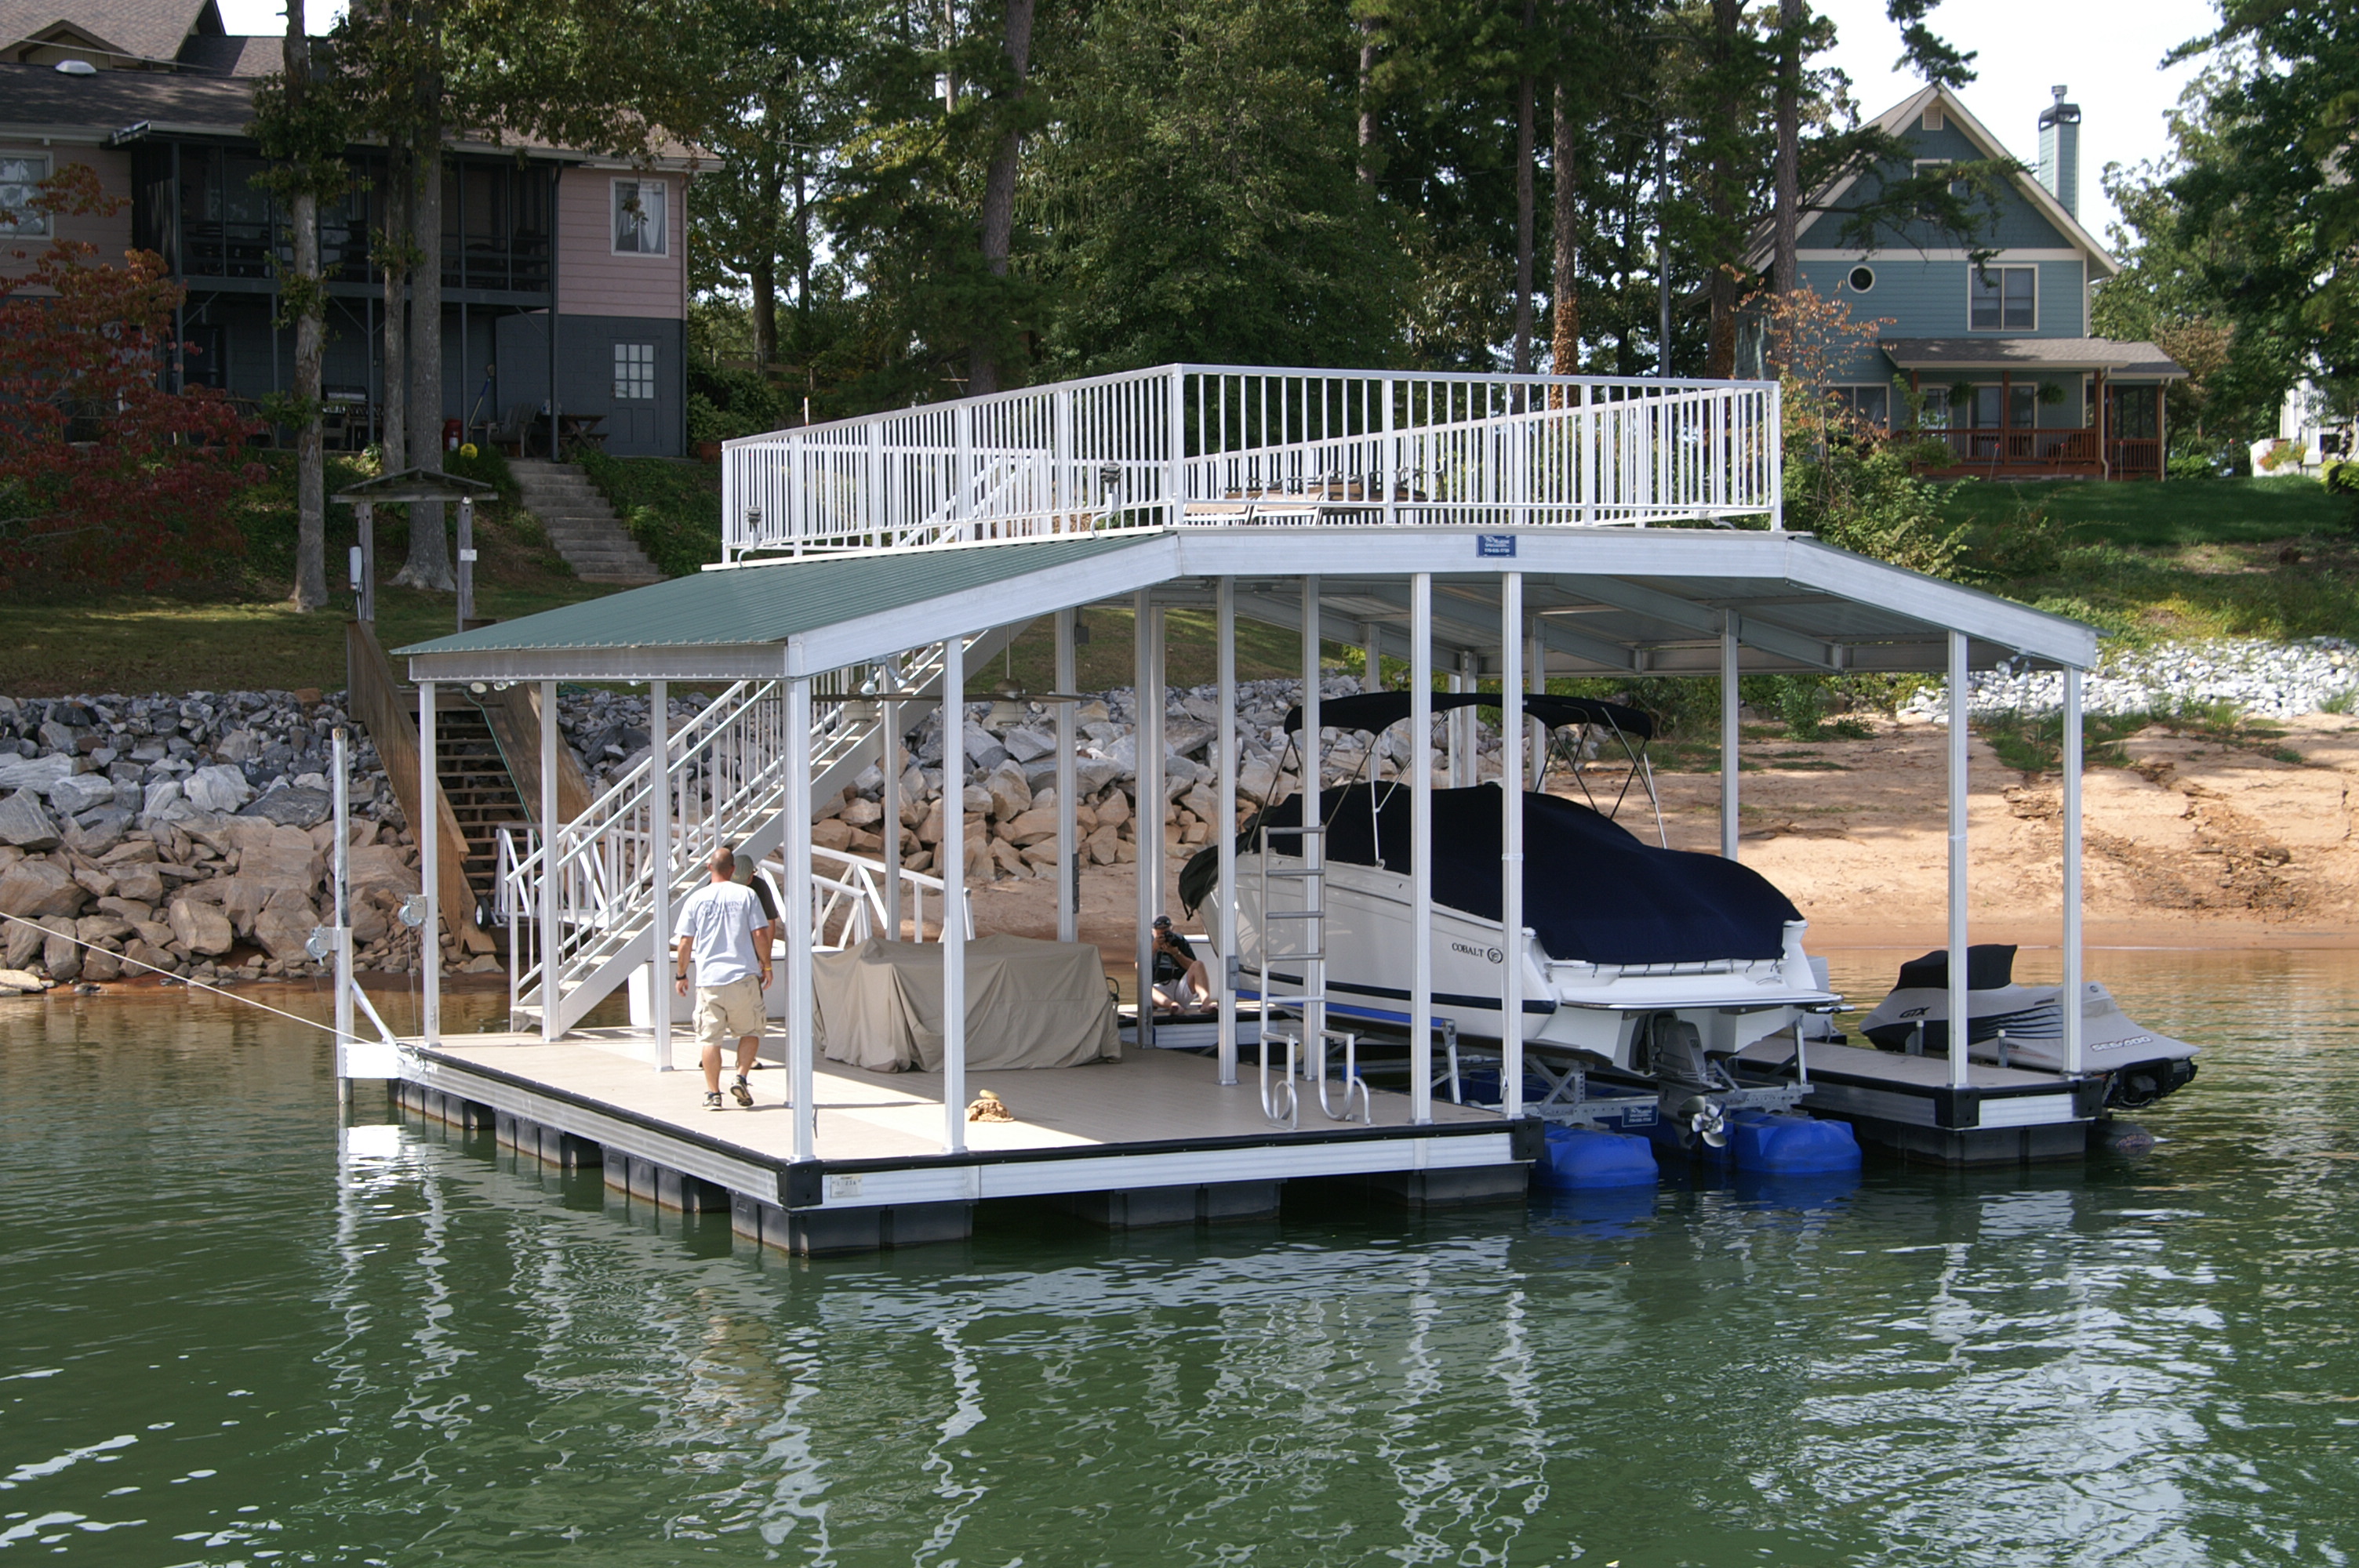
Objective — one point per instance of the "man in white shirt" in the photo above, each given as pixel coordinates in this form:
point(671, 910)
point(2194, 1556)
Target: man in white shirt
point(725, 937)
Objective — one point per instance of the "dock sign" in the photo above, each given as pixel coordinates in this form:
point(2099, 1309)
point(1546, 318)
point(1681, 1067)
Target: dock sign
point(1488, 546)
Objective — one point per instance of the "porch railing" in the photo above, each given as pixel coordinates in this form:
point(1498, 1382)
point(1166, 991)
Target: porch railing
point(1225, 446)
point(2057, 449)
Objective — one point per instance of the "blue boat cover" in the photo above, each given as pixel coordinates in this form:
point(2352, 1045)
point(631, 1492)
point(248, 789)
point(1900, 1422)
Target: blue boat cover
point(1592, 891)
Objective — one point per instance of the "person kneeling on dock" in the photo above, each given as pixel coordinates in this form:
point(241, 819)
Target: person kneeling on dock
point(724, 933)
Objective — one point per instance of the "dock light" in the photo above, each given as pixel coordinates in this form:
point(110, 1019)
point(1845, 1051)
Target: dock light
point(413, 911)
point(478, 687)
point(864, 705)
point(352, 562)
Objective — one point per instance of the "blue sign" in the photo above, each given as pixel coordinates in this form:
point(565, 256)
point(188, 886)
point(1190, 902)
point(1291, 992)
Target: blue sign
point(1489, 547)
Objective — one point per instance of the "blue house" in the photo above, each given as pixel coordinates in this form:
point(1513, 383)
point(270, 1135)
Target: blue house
point(1999, 355)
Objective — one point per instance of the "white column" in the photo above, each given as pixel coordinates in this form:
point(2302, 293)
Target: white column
point(1142, 699)
point(1730, 734)
point(1420, 842)
point(890, 763)
point(551, 971)
point(953, 874)
point(2073, 1023)
point(1224, 823)
point(1313, 849)
point(1452, 754)
point(1511, 844)
point(795, 912)
point(1958, 1020)
point(659, 866)
point(429, 873)
point(341, 914)
point(1069, 858)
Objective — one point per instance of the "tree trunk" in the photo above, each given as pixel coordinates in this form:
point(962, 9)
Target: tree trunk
point(762, 273)
point(1524, 111)
point(428, 566)
point(393, 266)
point(1727, 223)
point(310, 480)
point(1785, 269)
point(984, 371)
point(1564, 286)
point(1367, 160)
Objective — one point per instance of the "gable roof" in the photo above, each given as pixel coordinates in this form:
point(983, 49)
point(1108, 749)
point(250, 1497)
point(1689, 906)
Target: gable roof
point(141, 29)
point(1897, 120)
point(39, 98)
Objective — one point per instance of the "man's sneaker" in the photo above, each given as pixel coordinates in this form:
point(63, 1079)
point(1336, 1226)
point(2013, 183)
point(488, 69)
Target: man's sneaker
point(713, 1099)
point(744, 1095)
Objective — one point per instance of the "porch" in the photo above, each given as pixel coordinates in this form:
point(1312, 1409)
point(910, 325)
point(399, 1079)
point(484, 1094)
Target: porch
point(1989, 404)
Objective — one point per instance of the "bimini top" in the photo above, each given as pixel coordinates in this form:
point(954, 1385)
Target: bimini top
point(1379, 711)
point(1593, 892)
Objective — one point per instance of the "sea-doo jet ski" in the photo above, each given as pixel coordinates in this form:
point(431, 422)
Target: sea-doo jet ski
point(2023, 1026)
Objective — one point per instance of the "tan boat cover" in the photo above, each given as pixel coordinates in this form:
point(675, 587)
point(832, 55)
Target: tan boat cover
point(1028, 1004)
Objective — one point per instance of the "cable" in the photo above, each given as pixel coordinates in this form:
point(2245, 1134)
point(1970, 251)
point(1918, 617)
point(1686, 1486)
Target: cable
point(197, 985)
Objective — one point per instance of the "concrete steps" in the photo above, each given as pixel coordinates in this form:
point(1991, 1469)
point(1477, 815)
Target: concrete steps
point(580, 525)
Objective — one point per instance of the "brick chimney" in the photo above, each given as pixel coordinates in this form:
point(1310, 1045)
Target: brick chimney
point(2059, 152)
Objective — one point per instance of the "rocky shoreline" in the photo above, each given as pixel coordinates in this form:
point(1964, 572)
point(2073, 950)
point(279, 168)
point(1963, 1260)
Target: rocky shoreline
point(2260, 680)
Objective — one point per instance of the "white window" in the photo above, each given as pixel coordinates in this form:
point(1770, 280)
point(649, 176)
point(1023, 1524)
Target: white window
point(1937, 408)
point(1871, 404)
point(20, 178)
point(639, 226)
point(1932, 120)
point(2002, 299)
point(634, 372)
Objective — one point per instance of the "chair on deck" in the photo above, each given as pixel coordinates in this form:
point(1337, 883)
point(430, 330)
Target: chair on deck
point(508, 435)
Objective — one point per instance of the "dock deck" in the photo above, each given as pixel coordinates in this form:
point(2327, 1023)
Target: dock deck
point(1152, 1139)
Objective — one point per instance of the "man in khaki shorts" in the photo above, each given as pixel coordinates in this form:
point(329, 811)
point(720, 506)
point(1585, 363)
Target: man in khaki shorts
point(726, 936)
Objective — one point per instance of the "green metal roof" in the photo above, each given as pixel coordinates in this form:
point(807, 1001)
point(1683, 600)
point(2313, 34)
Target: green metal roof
point(775, 601)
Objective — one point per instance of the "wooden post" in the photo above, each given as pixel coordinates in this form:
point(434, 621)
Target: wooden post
point(2161, 438)
point(466, 560)
point(364, 514)
point(2105, 446)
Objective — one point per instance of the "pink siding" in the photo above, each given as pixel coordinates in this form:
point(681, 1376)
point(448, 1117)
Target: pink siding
point(111, 234)
point(591, 280)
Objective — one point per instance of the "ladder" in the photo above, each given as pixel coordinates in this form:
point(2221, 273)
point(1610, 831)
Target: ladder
point(1302, 928)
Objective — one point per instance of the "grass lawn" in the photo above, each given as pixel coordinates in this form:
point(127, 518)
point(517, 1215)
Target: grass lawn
point(2145, 515)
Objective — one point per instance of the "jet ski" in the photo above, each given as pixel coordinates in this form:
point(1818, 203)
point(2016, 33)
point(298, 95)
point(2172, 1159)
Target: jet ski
point(2023, 1026)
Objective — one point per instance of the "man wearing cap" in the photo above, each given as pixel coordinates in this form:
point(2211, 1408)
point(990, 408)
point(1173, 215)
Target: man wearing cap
point(1179, 974)
point(725, 937)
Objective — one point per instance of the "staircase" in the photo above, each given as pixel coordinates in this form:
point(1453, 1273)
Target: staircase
point(724, 774)
point(580, 524)
point(483, 795)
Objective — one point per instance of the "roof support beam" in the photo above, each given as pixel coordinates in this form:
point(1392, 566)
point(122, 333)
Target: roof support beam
point(1696, 617)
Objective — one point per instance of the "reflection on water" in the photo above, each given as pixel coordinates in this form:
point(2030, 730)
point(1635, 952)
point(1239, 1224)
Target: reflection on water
point(239, 1333)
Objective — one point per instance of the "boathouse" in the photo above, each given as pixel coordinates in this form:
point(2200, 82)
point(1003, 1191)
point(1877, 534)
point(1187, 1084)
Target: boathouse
point(1504, 529)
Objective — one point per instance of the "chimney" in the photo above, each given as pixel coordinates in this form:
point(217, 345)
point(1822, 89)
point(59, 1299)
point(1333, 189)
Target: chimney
point(2059, 152)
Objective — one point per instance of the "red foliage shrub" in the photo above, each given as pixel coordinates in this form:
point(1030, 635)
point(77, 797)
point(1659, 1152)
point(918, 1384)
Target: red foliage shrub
point(106, 477)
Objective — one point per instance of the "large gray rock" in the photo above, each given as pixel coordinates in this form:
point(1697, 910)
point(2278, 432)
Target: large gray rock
point(219, 788)
point(1027, 745)
point(138, 881)
point(20, 944)
point(33, 772)
point(163, 796)
point(60, 954)
point(285, 925)
point(78, 793)
point(295, 806)
point(32, 890)
point(23, 824)
point(201, 928)
point(1010, 796)
point(982, 749)
point(95, 833)
point(1091, 774)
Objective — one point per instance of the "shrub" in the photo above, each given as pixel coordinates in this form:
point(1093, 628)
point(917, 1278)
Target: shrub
point(725, 403)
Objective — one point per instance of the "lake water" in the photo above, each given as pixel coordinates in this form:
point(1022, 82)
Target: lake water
point(231, 1333)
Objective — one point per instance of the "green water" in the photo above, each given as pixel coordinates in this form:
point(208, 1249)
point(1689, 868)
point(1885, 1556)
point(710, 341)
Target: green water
point(230, 1333)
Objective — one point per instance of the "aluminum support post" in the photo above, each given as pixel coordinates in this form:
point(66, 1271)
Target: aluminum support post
point(1420, 847)
point(1069, 849)
point(1313, 848)
point(1146, 824)
point(1511, 845)
point(430, 873)
point(1732, 703)
point(466, 560)
point(552, 988)
point(659, 866)
point(2074, 1023)
point(1224, 826)
point(953, 874)
point(1959, 1029)
point(796, 910)
point(341, 914)
point(892, 763)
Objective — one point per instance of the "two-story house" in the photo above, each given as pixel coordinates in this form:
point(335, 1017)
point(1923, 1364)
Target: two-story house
point(1997, 354)
point(559, 268)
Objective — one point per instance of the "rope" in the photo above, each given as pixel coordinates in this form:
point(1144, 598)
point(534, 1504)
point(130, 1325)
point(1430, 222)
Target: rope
point(193, 984)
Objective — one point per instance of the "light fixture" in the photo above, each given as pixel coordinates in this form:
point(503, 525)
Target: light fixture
point(865, 705)
point(1008, 699)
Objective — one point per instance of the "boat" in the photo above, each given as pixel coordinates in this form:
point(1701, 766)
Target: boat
point(2013, 1025)
point(1639, 961)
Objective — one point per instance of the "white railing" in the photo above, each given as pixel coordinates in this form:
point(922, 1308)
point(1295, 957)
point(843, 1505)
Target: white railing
point(725, 780)
point(848, 901)
point(1216, 445)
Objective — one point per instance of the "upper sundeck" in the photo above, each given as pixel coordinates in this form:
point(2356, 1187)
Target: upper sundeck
point(1228, 446)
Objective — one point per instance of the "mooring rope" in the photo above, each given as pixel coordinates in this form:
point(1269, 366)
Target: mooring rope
point(182, 980)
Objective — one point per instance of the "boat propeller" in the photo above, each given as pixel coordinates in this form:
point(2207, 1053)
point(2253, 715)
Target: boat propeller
point(1707, 1119)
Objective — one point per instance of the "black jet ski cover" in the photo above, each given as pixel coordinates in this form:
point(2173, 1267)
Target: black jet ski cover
point(1989, 966)
point(1376, 712)
point(1592, 891)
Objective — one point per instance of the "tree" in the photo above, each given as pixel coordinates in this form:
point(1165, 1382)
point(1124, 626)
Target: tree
point(301, 132)
point(996, 351)
point(104, 473)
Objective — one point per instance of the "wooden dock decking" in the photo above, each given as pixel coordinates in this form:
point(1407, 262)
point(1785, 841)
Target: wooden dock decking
point(1151, 1139)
